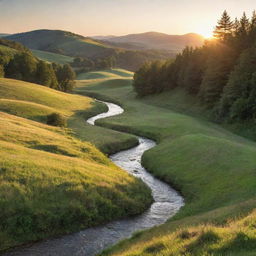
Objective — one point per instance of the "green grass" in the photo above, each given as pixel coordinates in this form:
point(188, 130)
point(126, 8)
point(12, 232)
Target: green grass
point(106, 74)
point(213, 168)
point(52, 57)
point(52, 182)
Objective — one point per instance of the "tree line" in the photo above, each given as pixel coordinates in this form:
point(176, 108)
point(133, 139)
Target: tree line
point(22, 65)
point(221, 73)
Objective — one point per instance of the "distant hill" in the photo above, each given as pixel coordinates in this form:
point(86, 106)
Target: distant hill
point(73, 45)
point(160, 41)
point(3, 35)
point(62, 42)
point(103, 37)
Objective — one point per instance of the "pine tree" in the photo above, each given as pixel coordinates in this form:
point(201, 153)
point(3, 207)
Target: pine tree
point(237, 97)
point(244, 25)
point(253, 20)
point(236, 26)
point(224, 27)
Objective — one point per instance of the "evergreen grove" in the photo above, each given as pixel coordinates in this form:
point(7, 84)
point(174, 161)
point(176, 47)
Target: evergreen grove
point(24, 66)
point(221, 73)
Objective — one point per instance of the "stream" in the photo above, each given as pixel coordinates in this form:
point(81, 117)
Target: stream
point(92, 241)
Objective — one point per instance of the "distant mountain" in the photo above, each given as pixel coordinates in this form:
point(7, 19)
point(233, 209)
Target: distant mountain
point(103, 37)
point(73, 45)
point(160, 41)
point(3, 35)
point(62, 42)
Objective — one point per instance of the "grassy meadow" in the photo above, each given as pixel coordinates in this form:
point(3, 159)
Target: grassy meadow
point(213, 168)
point(52, 180)
point(52, 57)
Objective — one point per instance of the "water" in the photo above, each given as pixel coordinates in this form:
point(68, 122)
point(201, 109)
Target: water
point(92, 241)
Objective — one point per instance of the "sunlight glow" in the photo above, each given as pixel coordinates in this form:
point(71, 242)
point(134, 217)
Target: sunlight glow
point(206, 32)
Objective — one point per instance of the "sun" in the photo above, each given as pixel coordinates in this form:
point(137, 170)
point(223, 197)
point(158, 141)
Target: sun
point(206, 32)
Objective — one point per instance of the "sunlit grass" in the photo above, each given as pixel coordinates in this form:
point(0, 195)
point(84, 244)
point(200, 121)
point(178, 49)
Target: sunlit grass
point(52, 57)
point(51, 182)
point(213, 168)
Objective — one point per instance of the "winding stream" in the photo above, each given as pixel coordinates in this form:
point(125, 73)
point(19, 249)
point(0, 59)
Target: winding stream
point(92, 241)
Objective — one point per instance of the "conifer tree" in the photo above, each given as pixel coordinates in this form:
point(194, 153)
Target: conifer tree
point(224, 27)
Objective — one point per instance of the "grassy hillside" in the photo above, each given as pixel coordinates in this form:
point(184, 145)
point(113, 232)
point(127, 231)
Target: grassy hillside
point(52, 57)
point(70, 44)
point(213, 168)
point(62, 42)
point(106, 74)
point(51, 182)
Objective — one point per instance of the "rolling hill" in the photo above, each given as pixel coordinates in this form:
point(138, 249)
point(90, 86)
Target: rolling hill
point(51, 182)
point(52, 57)
point(62, 42)
point(160, 41)
point(73, 45)
point(213, 168)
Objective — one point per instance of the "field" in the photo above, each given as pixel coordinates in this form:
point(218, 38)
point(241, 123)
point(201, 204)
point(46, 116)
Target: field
point(106, 74)
point(52, 181)
point(213, 168)
point(52, 57)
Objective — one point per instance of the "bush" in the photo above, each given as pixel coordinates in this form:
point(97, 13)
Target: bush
point(56, 119)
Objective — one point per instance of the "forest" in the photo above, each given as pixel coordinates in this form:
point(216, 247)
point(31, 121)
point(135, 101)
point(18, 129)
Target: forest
point(221, 74)
point(19, 63)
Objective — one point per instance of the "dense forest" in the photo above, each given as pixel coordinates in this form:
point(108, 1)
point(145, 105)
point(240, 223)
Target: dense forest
point(221, 73)
point(17, 62)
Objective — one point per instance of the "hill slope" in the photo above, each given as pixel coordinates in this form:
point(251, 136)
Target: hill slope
point(213, 168)
point(62, 42)
point(154, 40)
point(52, 57)
point(51, 182)
point(69, 44)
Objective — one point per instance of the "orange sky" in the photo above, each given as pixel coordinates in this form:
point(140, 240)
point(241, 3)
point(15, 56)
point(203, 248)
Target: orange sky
point(118, 17)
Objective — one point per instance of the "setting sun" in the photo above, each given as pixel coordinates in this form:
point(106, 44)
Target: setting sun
point(206, 32)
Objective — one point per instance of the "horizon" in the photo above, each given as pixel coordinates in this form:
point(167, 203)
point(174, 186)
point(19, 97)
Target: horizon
point(146, 32)
point(108, 18)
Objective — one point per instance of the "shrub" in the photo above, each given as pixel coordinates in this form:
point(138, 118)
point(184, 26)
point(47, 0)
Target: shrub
point(56, 119)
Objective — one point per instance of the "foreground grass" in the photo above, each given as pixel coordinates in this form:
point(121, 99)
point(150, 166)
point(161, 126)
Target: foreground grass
point(213, 168)
point(53, 183)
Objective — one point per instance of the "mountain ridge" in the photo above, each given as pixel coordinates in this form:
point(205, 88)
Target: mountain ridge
point(160, 41)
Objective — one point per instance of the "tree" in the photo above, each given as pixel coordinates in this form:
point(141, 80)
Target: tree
point(45, 75)
point(238, 99)
point(22, 67)
point(1, 71)
point(220, 62)
point(224, 28)
point(66, 77)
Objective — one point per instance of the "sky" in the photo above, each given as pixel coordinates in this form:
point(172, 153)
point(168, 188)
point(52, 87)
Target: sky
point(118, 17)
